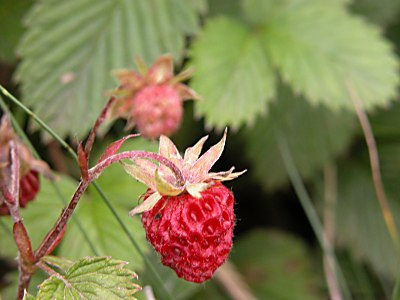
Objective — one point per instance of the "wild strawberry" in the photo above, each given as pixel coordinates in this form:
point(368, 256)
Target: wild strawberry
point(157, 109)
point(188, 220)
point(193, 235)
point(29, 166)
point(152, 99)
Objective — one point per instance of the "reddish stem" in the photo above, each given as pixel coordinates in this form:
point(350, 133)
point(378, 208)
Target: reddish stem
point(53, 236)
point(99, 121)
point(54, 233)
point(96, 170)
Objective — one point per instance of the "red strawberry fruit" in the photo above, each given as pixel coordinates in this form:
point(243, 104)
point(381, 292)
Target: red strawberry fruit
point(190, 222)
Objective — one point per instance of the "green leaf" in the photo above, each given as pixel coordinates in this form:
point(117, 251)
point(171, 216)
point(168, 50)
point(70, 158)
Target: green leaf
point(91, 278)
point(11, 13)
point(320, 50)
point(59, 262)
point(360, 224)
point(232, 74)
point(315, 136)
point(71, 47)
point(278, 267)
point(100, 224)
point(39, 215)
point(28, 296)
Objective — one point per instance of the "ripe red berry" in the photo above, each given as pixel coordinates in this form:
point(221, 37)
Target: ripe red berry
point(187, 212)
point(157, 110)
point(192, 235)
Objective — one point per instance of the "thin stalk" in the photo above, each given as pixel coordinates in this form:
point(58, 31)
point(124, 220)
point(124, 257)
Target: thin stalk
point(163, 291)
point(375, 166)
point(310, 210)
point(54, 184)
point(38, 120)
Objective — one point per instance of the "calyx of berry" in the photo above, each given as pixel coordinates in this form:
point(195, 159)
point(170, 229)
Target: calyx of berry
point(160, 74)
point(195, 171)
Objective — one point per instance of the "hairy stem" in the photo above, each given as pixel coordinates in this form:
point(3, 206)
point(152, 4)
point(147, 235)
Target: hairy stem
point(96, 170)
point(57, 229)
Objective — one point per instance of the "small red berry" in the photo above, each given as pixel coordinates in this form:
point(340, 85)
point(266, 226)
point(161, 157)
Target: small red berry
point(152, 99)
point(192, 235)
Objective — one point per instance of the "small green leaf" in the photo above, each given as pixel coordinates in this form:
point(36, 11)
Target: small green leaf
point(91, 278)
point(320, 50)
point(232, 74)
point(70, 49)
point(28, 296)
point(59, 262)
point(315, 136)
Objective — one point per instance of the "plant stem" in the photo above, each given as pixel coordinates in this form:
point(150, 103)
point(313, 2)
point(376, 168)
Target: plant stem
point(55, 232)
point(309, 209)
point(375, 166)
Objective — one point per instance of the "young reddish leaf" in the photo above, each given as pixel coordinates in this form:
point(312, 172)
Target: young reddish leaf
point(83, 162)
point(23, 243)
point(56, 241)
point(114, 147)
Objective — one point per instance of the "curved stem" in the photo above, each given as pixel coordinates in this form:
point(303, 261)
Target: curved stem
point(375, 166)
point(96, 170)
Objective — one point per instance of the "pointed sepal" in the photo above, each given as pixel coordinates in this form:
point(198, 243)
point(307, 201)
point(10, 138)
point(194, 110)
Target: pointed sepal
point(146, 205)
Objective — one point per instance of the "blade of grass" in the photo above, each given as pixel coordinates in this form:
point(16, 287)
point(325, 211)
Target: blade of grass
point(163, 290)
point(310, 211)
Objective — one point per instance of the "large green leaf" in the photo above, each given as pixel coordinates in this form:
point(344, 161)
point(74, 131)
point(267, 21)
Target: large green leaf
point(71, 47)
point(101, 226)
point(321, 50)
point(232, 74)
point(91, 278)
point(314, 134)
point(277, 266)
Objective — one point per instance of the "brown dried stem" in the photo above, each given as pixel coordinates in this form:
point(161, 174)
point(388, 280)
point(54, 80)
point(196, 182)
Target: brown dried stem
point(375, 165)
point(233, 282)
